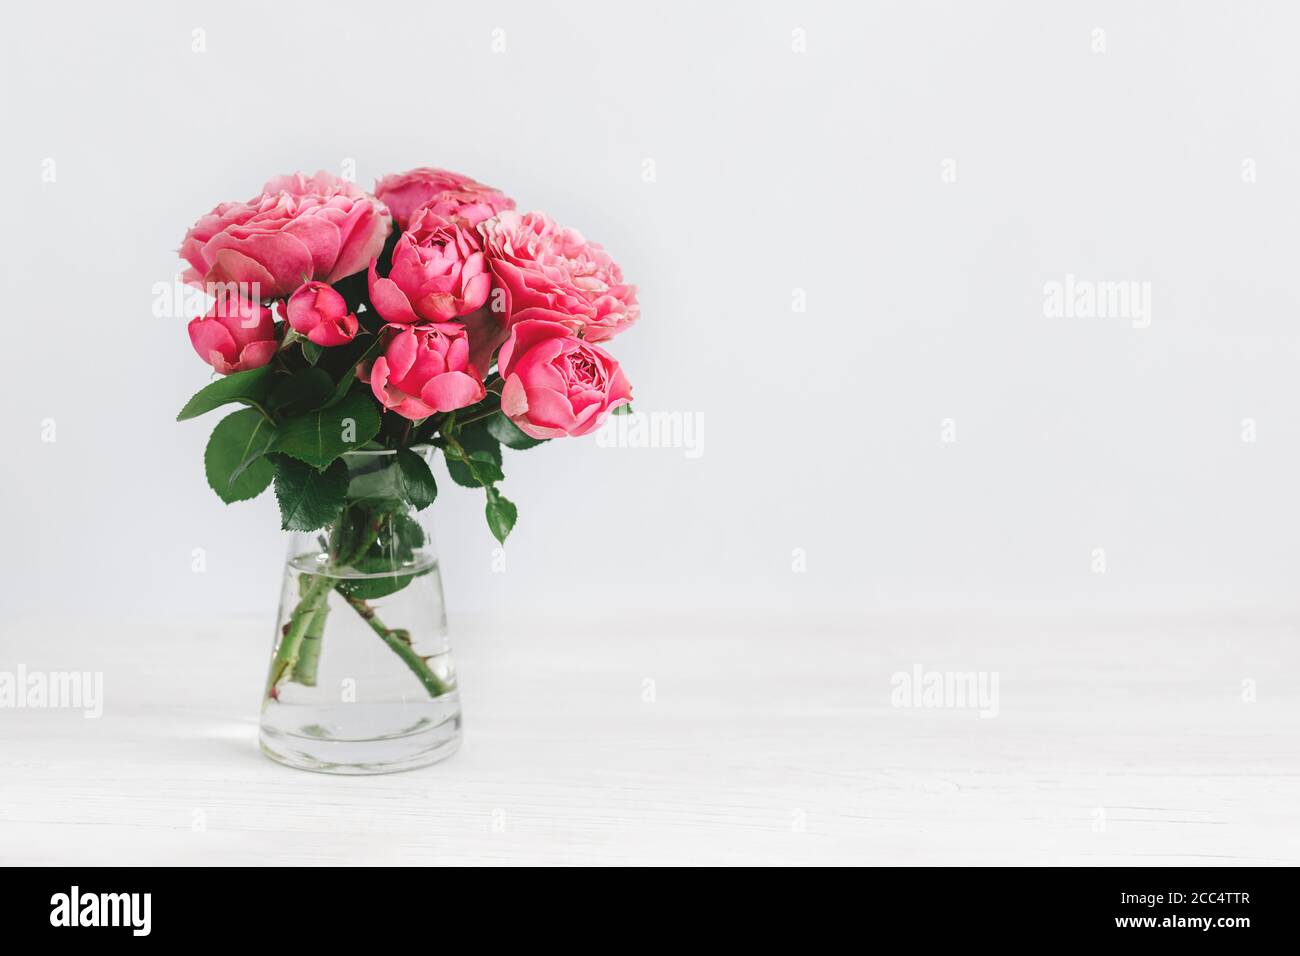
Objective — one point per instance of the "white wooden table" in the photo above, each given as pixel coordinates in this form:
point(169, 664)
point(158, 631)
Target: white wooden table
point(1118, 740)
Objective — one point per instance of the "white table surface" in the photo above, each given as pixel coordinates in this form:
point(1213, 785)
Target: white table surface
point(1118, 741)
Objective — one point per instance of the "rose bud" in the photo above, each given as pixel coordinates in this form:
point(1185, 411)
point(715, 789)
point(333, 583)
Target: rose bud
point(317, 311)
point(235, 335)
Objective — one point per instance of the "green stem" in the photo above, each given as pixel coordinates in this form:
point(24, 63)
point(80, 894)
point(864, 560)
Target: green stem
point(286, 652)
point(261, 408)
point(400, 642)
point(479, 417)
point(313, 605)
point(308, 662)
point(298, 652)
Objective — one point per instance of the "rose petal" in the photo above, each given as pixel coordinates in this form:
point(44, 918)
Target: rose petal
point(320, 238)
point(401, 354)
point(209, 337)
point(514, 401)
point(389, 300)
point(452, 390)
point(548, 408)
point(256, 354)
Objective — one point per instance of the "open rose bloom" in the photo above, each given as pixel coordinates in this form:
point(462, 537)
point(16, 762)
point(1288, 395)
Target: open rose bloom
point(425, 370)
point(357, 336)
point(445, 193)
point(298, 229)
point(438, 273)
point(539, 264)
point(556, 383)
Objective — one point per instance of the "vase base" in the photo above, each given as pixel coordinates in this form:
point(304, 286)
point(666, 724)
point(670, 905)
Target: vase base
point(410, 751)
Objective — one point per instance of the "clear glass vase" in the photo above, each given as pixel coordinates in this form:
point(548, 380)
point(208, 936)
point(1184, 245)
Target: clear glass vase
point(361, 678)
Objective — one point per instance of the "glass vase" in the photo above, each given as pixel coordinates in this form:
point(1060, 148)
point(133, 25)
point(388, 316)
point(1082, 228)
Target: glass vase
point(361, 678)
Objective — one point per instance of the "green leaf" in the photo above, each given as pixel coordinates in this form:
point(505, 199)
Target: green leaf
point(233, 460)
point(397, 537)
point(406, 537)
point(312, 352)
point(377, 482)
point(485, 469)
point(249, 387)
point(476, 437)
point(417, 480)
point(389, 559)
point(461, 474)
point(509, 434)
point(309, 499)
point(623, 410)
point(476, 472)
point(349, 378)
point(258, 446)
point(501, 514)
point(303, 390)
point(320, 437)
point(367, 589)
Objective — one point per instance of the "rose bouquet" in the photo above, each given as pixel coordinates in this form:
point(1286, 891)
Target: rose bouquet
point(365, 333)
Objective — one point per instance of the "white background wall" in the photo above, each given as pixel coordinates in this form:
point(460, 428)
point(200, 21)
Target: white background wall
point(776, 170)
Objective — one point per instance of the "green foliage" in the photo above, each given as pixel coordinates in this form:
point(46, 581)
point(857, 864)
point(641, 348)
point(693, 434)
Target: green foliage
point(376, 484)
point(301, 391)
point(501, 514)
point(367, 589)
point(482, 469)
point(353, 288)
point(387, 540)
point(233, 460)
point(389, 543)
point(320, 437)
point(249, 387)
point(309, 499)
point(418, 486)
point(477, 470)
point(347, 376)
point(509, 434)
point(476, 437)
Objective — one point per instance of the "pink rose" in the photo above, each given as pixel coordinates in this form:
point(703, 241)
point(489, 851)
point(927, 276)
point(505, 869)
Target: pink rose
point(468, 206)
point(426, 369)
point(321, 314)
point(542, 265)
point(451, 193)
point(235, 335)
point(300, 228)
point(438, 274)
point(556, 383)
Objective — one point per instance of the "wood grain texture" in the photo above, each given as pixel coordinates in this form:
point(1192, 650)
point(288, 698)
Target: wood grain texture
point(1117, 741)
